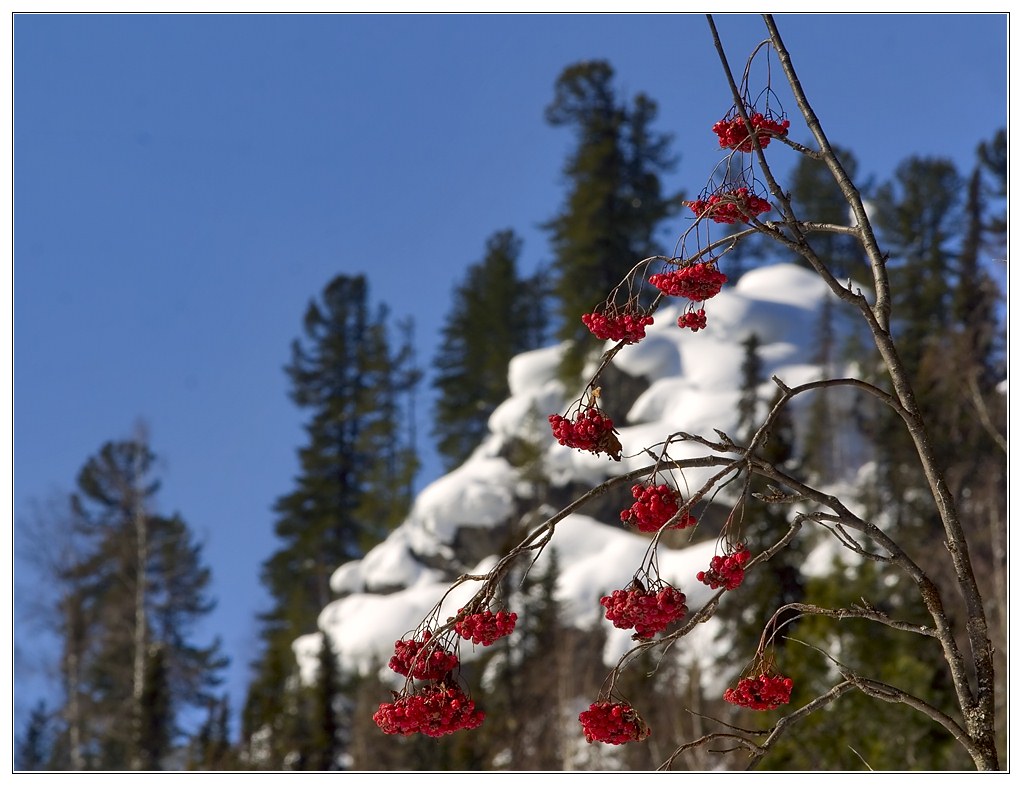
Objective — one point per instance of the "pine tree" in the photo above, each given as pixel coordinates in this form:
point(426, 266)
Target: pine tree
point(615, 202)
point(919, 218)
point(751, 374)
point(495, 315)
point(34, 750)
point(324, 741)
point(129, 592)
point(156, 727)
point(993, 158)
point(816, 197)
point(211, 748)
point(352, 489)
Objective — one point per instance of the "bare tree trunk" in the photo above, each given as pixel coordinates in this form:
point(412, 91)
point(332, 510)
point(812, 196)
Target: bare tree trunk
point(141, 633)
point(74, 711)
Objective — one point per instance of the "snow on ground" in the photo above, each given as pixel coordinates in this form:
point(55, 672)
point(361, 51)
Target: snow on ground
point(694, 386)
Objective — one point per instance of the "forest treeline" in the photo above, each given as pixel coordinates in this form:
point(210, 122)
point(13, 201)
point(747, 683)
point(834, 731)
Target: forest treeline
point(136, 692)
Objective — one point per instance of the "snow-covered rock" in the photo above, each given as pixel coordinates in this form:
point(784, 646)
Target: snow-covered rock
point(692, 384)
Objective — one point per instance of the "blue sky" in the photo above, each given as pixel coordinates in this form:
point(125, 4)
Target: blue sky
point(184, 185)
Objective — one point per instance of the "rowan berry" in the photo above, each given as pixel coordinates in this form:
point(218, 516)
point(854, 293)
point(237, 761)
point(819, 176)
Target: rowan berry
point(728, 207)
point(761, 692)
point(613, 722)
point(647, 611)
point(421, 659)
point(695, 320)
point(732, 133)
point(696, 282)
point(626, 326)
point(726, 571)
point(434, 710)
point(654, 506)
point(590, 431)
point(485, 628)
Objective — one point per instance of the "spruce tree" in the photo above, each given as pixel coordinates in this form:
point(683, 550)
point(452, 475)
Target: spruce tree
point(324, 741)
point(129, 594)
point(615, 201)
point(353, 487)
point(156, 728)
point(495, 314)
point(816, 197)
point(211, 748)
point(919, 218)
point(34, 749)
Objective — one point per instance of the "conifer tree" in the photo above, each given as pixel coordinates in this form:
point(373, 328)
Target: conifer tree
point(816, 197)
point(615, 201)
point(752, 374)
point(34, 749)
point(324, 741)
point(156, 728)
point(496, 314)
point(129, 592)
point(919, 217)
point(352, 489)
point(211, 748)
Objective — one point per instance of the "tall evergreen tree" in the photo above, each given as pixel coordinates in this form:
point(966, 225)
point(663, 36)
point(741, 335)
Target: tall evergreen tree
point(919, 217)
point(324, 739)
point(353, 486)
point(211, 748)
point(993, 159)
point(816, 197)
point(129, 594)
point(156, 727)
point(495, 315)
point(615, 201)
point(34, 749)
point(751, 375)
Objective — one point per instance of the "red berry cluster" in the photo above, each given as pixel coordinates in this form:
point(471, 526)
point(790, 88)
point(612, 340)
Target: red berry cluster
point(695, 320)
point(695, 282)
point(762, 692)
point(647, 611)
point(434, 710)
point(730, 206)
point(613, 722)
point(627, 327)
point(591, 430)
point(421, 660)
point(654, 506)
point(485, 628)
point(733, 134)
point(728, 571)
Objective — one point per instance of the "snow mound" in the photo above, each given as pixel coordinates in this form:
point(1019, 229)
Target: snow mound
point(693, 385)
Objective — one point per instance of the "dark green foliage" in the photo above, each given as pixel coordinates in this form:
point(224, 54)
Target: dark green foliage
point(34, 748)
point(352, 484)
point(156, 727)
point(993, 159)
point(816, 197)
point(945, 320)
point(752, 374)
point(860, 732)
point(324, 744)
point(129, 594)
point(211, 748)
point(919, 217)
point(353, 487)
point(495, 314)
point(821, 450)
point(615, 202)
